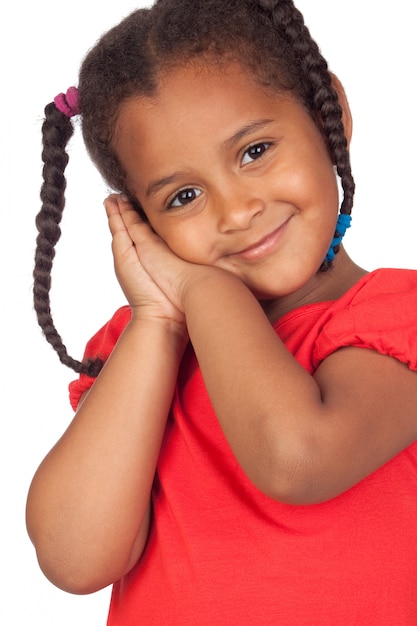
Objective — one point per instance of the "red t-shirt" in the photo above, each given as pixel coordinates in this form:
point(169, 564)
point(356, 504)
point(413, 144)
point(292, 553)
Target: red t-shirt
point(221, 552)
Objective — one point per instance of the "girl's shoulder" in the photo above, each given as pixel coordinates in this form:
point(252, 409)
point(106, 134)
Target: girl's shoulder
point(379, 313)
point(384, 281)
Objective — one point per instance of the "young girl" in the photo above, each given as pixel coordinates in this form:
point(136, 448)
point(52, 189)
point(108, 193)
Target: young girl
point(245, 455)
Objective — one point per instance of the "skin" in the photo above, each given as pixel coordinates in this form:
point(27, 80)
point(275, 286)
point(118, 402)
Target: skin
point(241, 215)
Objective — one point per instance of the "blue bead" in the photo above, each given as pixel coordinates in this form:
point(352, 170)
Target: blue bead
point(343, 223)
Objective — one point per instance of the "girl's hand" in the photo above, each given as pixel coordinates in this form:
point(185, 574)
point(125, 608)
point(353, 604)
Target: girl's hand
point(143, 257)
point(131, 236)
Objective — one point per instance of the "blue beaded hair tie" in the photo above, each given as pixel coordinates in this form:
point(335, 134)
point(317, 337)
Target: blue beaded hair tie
point(343, 223)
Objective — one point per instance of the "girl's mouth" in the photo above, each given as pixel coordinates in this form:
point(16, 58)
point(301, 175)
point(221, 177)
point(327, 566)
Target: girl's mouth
point(263, 246)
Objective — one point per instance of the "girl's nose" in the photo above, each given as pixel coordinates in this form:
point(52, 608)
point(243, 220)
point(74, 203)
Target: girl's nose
point(237, 209)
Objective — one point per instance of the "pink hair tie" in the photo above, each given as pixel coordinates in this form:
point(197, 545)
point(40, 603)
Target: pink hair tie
point(68, 103)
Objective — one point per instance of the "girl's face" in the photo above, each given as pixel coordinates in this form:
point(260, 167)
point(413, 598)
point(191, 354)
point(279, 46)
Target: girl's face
point(232, 175)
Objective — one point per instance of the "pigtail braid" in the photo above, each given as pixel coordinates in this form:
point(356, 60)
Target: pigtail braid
point(317, 87)
point(57, 129)
point(318, 91)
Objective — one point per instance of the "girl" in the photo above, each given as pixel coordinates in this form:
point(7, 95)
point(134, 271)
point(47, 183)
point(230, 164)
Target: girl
point(246, 453)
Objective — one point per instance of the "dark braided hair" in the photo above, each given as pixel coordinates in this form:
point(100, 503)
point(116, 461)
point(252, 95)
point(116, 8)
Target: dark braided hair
point(267, 37)
point(57, 130)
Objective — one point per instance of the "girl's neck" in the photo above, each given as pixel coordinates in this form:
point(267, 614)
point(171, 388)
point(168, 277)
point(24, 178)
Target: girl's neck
point(323, 287)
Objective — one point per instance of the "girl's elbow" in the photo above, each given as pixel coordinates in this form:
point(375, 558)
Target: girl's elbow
point(85, 569)
point(73, 577)
point(300, 480)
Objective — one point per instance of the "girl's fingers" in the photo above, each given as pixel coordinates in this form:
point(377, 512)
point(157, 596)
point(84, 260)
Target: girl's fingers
point(124, 217)
point(137, 228)
point(114, 217)
point(122, 243)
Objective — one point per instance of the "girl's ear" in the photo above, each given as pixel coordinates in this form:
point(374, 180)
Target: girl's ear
point(343, 101)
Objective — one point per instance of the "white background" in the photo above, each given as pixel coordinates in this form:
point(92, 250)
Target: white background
point(373, 49)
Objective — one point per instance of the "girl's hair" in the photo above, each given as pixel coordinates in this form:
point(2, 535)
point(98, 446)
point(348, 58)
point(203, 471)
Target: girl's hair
point(268, 37)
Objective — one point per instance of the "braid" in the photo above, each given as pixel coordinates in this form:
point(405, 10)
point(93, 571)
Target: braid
point(57, 129)
point(318, 91)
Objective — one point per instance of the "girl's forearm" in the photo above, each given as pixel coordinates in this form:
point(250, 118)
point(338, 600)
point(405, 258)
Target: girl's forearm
point(262, 397)
point(88, 506)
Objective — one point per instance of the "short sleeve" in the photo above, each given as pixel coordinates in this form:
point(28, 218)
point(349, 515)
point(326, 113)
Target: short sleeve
point(381, 316)
point(100, 345)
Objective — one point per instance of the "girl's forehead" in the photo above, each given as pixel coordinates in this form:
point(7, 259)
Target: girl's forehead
point(199, 88)
point(196, 99)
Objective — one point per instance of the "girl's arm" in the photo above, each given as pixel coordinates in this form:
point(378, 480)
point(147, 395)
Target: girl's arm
point(300, 439)
point(88, 505)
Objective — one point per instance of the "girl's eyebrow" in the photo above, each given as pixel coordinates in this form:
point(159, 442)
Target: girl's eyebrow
point(157, 185)
point(248, 129)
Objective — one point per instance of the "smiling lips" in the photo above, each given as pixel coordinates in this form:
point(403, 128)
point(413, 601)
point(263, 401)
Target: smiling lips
point(262, 247)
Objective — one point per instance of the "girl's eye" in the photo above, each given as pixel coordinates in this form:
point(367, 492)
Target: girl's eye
point(183, 197)
point(255, 152)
